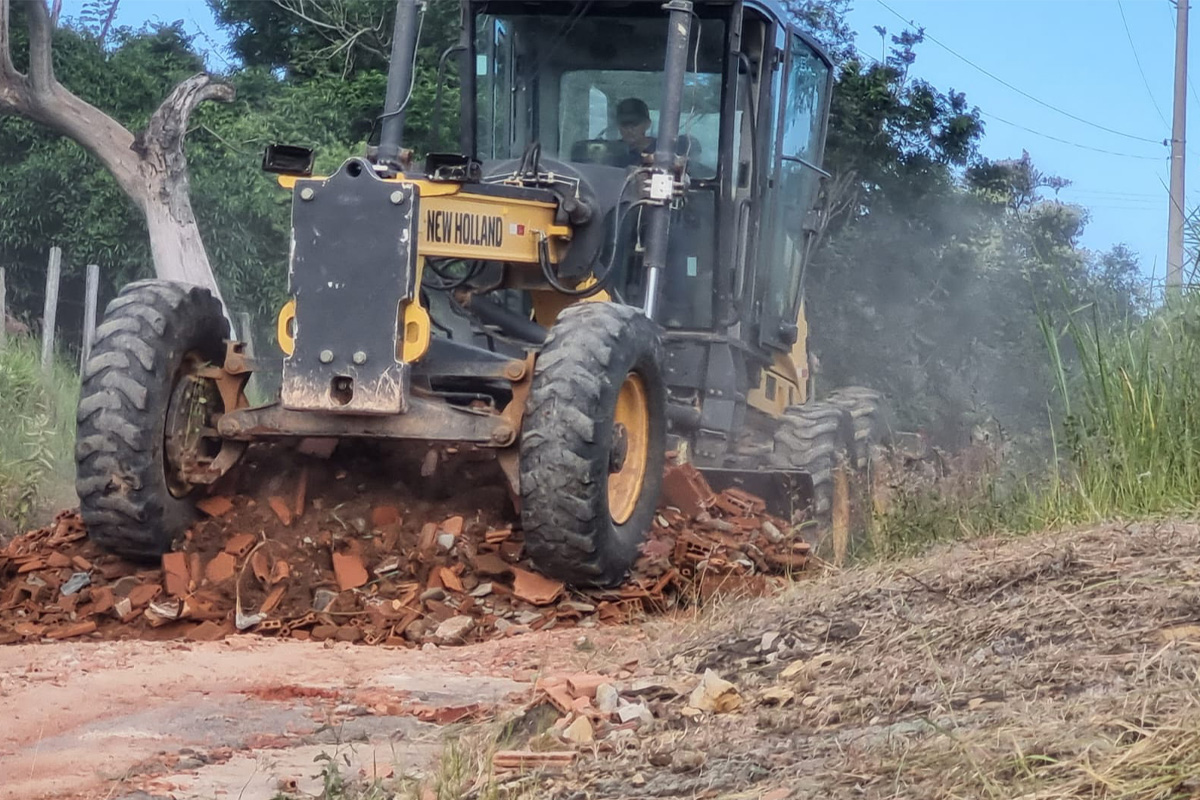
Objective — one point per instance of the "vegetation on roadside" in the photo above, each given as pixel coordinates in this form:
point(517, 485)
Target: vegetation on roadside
point(37, 431)
point(462, 769)
point(1123, 440)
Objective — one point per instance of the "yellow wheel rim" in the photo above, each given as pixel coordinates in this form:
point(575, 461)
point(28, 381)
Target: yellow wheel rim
point(631, 433)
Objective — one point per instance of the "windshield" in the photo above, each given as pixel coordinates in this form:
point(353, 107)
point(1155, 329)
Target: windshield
point(589, 88)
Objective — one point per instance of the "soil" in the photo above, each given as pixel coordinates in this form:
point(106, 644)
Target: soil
point(1062, 665)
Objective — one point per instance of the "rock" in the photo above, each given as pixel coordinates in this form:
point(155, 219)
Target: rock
point(454, 630)
point(323, 599)
point(580, 731)
point(635, 711)
point(768, 641)
point(482, 590)
point(688, 760)
point(445, 541)
point(715, 694)
point(773, 534)
point(436, 593)
point(607, 698)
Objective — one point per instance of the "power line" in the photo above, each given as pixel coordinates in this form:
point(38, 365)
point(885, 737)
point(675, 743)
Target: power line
point(1036, 132)
point(1138, 61)
point(1019, 91)
point(1068, 141)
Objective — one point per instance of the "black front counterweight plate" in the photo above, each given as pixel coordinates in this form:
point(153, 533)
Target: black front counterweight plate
point(354, 258)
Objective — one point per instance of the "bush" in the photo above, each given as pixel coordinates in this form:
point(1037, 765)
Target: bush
point(37, 432)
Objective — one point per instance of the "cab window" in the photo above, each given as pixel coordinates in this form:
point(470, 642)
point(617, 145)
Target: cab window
point(798, 179)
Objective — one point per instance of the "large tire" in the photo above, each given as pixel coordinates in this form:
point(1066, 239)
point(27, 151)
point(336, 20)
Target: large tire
point(149, 331)
point(869, 412)
point(810, 438)
point(577, 529)
point(818, 439)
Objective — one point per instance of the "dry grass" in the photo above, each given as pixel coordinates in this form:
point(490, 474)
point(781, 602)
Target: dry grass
point(1043, 667)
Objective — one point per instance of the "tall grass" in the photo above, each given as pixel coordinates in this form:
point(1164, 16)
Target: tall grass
point(37, 432)
point(1123, 439)
point(1131, 406)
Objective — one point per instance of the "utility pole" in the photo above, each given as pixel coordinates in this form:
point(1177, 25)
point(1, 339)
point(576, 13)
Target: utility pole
point(1178, 135)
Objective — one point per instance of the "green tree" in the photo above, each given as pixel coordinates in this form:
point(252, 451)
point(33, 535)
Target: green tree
point(148, 166)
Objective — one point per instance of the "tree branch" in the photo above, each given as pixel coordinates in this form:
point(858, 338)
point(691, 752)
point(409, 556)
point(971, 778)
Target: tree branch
point(169, 123)
point(41, 36)
point(7, 70)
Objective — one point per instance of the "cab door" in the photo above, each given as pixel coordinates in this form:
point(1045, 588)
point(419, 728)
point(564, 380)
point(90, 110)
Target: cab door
point(796, 175)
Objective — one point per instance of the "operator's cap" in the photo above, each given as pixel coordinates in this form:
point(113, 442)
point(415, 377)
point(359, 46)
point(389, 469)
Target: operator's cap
point(632, 109)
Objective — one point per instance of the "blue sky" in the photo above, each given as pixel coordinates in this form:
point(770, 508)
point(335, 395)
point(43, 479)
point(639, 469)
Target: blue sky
point(1072, 55)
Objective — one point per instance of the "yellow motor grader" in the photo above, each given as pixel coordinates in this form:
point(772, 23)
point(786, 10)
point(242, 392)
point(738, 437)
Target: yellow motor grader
point(610, 267)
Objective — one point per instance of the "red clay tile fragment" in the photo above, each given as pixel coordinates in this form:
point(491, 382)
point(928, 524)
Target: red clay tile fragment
point(221, 568)
point(261, 564)
point(384, 515)
point(584, 684)
point(685, 488)
point(272, 600)
point(175, 573)
point(58, 560)
point(209, 631)
point(69, 631)
point(534, 588)
point(280, 571)
point(281, 509)
point(142, 594)
point(215, 506)
point(81, 563)
point(349, 570)
point(450, 580)
point(102, 600)
point(453, 526)
point(492, 565)
point(300, 500)
point(239, 544)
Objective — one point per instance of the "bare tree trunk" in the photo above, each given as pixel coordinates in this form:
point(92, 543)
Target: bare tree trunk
point(151, 167)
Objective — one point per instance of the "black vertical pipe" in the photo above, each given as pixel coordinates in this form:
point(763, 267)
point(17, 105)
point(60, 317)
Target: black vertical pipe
point(658, 223)
point(399, 81)
point(466, 83)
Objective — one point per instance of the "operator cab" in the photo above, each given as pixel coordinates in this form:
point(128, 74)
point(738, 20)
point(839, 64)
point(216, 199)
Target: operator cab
point(585, 82)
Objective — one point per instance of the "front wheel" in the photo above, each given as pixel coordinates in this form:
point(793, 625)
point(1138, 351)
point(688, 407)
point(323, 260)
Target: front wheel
point(144, 417)
point(593, 443)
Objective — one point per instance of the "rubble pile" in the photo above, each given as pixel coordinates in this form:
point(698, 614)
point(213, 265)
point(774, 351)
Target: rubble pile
point(322, 559)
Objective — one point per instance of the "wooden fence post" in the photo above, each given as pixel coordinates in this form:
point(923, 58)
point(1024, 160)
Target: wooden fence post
point(50, 309)
point(3, 310)
point(91, 296)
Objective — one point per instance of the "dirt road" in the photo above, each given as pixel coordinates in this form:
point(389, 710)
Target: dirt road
point(241, 718)
point(1056, 666)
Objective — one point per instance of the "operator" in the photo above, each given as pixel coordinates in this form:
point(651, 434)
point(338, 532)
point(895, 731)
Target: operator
point(633, 122)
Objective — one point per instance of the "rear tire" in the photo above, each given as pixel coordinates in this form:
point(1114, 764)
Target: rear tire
point(868, 410)
point(593, 443)
point(148, 332)
point(810, 438)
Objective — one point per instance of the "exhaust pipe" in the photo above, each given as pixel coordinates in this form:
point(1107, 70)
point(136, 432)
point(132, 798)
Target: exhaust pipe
point(658, 223)
point(399, 81)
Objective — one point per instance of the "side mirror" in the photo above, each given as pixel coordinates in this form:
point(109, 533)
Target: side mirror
point(288, 159)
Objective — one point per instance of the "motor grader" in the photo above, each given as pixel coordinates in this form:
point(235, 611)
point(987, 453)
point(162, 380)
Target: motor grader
point(609, 267)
